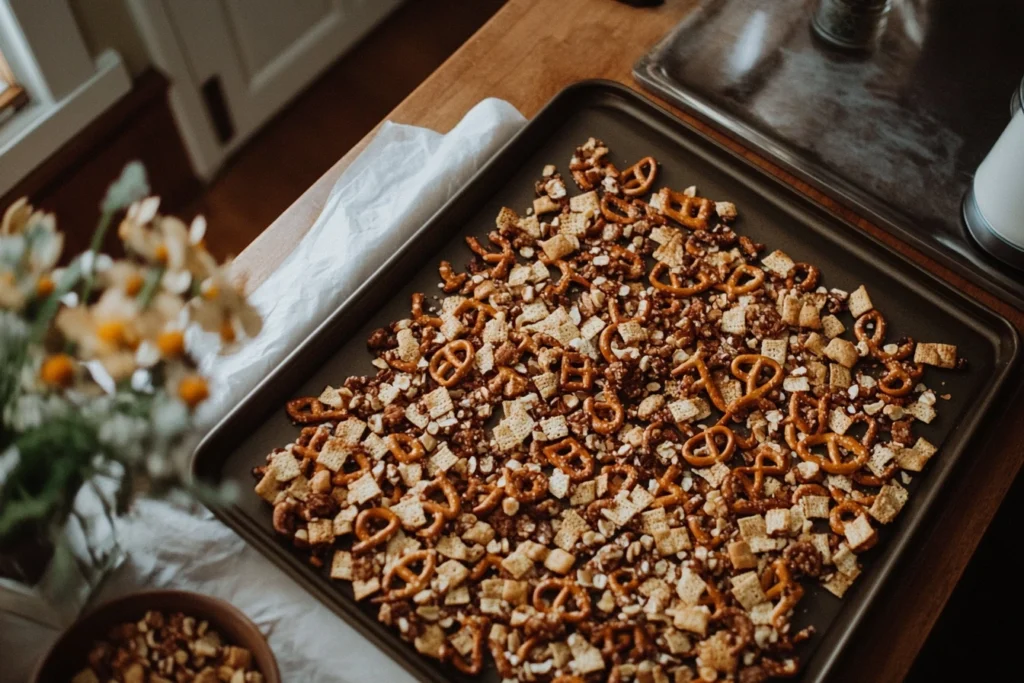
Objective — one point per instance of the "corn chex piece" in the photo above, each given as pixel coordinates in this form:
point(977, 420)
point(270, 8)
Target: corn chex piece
point(438, 402)
point(778, 262)
point(842, 352)
point(690, 587)
point(671, 541)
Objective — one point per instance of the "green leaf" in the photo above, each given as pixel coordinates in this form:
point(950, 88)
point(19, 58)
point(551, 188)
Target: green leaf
point(130, 187)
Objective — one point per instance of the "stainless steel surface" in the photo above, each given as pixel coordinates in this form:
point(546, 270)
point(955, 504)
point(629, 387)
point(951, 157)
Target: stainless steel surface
point(980, 229)
point(855, 24)
point(895, 133)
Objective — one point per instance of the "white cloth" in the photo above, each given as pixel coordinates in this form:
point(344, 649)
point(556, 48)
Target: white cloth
point(403, 177)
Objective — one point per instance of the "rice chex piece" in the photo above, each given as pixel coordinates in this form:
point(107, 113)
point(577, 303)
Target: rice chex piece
point(832, 326)
point(746, 587)
point(776, 349)
point(939, 355)
point(438, 402)
point(284, 465)
point(363, 489)
point(842, 352)
point(778, 262)
point(860, 302)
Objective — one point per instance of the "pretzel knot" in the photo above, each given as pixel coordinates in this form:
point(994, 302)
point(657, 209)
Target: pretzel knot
point(452, 281)
point(406, 448)
point(502, 261)
point(577, 372)
point(369, 539)
point(618, 210)
point(566, 589)
point(487, 563)
point(690, 212)
point(492, 496)
point(310, 410)
point(732, 286)
point(668, 492)
point(627, 472)
point(708, 441)
point(477, 627)
point(452, 362)
point(525, 485)
point(570, 457)
point(753, 488)
point(403, 569)
point(835, 444)
point(808, 277)
point(675, 286)
point(484, 312)
point(704, 380)
point(443, 512)
point(610, 407)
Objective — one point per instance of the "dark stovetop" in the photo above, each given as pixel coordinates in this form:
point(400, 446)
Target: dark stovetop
point(895, 134)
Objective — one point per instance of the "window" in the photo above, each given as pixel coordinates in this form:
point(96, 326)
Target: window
point(48, 75)
point(12, 95)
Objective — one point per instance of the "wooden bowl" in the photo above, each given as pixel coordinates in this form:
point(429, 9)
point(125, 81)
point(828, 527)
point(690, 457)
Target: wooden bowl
point(68, 655)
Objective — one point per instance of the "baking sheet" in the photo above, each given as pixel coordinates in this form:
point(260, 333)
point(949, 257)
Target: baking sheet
point(915, 303)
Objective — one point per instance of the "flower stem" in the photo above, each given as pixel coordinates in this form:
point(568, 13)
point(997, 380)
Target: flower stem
point(94, 247)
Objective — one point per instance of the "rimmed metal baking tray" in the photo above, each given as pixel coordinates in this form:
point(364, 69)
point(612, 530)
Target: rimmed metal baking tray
point(914, 301)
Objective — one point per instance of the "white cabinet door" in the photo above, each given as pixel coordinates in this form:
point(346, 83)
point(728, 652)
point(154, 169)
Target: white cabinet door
point(234, 63)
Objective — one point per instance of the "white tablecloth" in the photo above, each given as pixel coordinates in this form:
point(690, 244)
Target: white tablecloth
point(404, 175)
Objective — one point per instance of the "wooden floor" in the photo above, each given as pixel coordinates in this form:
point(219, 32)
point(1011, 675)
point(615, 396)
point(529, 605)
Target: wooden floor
point(314, 131)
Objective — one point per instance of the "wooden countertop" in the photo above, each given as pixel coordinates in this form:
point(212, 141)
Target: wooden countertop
point(526, 54)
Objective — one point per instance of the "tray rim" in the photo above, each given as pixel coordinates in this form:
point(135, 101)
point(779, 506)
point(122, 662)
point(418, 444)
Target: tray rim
point(997, 330)
point(647, 74)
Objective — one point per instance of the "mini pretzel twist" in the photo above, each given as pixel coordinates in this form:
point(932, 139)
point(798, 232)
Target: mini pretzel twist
point(484, 312)
point(704, 381)
point(478, 627)
point(690, 212)
point(566, 589)
point(569, 276)
point(876, 340)
point(611, 407)
point(442, 512)
point(732, 286)
point(675, 286)
point(570, 457)
point(414, 582)
point(452, 362)
point(452, 281)
point(708, 439)
point(628, 473)
point(808, 277)
point(492, 496)
point(508, 383)
point(780, 584)
point(835, 443)
point(668, 492)
point(487, 563)
point(630, 263)
point(344, 477)
point(419, 315)
point(577, 372)
point(843, 512)
point(618, 210)
point(623, 582)
point(371, 539)
point(525, 485)
point(749, 367)
point(898, 379)
point(702, 535)
point(502, 261)
point(638, 178)
point(406, 448)
point(311, 440)
point(310, 410)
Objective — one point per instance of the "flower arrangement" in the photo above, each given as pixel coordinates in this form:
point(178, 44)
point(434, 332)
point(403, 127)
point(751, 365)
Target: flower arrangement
point(97, 374)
